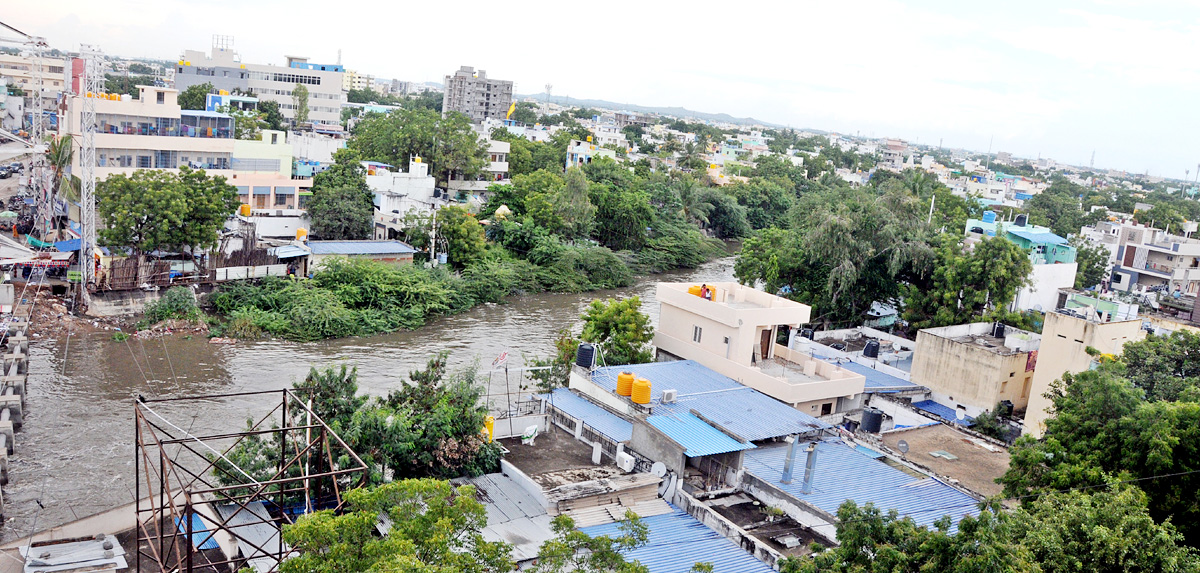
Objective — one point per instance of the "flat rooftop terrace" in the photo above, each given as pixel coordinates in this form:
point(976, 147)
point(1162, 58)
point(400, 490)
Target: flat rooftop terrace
point(971, 463)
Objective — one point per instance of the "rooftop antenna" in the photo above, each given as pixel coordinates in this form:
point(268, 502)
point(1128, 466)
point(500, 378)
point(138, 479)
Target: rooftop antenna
point(1092, 163)
point(339, 62)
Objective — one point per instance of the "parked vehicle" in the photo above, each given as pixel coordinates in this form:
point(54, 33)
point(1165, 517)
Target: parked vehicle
point(16, 167)
point(4, 172)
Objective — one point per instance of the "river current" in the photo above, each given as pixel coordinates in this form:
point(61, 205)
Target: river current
point(75, 452)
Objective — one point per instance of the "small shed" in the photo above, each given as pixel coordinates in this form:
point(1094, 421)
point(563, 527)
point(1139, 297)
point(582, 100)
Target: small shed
point(395, 252)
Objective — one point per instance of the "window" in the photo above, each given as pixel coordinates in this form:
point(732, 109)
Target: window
point(280, 200)
point(826, 408)
point(162, 97)
point(696, 332)
point(274, 138)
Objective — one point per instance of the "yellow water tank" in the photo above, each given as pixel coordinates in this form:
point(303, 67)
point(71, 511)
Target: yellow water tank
point(245, 210)
point(301, 234)
point(625, 384)
point(641, 391)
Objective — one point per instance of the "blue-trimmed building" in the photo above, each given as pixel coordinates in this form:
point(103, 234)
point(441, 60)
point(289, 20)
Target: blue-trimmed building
point(1053, 258)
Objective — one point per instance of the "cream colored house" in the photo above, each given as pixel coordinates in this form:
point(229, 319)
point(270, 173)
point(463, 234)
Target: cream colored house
point(735, 334)
point(975, 366)
point(1065, 340)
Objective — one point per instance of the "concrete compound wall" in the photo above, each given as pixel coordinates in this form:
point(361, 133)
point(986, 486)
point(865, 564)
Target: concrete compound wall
point(820, 522)
point(728, 529)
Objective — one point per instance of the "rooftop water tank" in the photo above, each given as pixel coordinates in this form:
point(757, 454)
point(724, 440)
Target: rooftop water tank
point(625, 384)
point(585, 355)
point(989, 216)
point(301, 234)
point(871, 350)
point(244, 210)
point(807, 333)
point(998, 330)
point(641, 391)
point(872, 420)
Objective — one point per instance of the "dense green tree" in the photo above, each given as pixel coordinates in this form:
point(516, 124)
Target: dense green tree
point(525, 113)
point(842, 250)
point(462, 233)
point(1165, 367)
point(447, 143)
point(271, 114)
point(870, 541)
point(574, 206)
point(153, 209)
point(1092, 261)
point(621, 330)
point(766, 203)
point(1103, 429)
point(1105, 531)
point(515, 196)
point(621, 216)
point(193, 97)
point(429, 100)
point(300, 103)
point(963, 286)
point(342, 206)
point(435, 527)
point(726, 218)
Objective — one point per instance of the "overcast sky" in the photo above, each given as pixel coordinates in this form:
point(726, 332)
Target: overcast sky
point(1059, 79)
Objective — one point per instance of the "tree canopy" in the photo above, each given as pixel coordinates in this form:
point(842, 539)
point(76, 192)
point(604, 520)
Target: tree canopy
point(342, 206)
point(195, 96)
point(621, 329)
point(154, 209)
point(448, 144)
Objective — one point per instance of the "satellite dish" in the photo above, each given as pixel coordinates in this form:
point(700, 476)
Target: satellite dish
point(960, 413)
point(659, 469)
point(902, 446)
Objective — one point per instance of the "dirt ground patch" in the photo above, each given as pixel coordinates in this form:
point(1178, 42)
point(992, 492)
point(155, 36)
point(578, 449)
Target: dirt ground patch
point(551, 452)
point(976, 468)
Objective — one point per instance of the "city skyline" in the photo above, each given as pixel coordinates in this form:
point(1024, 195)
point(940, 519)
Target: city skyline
point(1110, 77)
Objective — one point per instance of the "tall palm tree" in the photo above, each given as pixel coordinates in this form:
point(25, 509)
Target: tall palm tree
point(695, 208)
point(59, 154)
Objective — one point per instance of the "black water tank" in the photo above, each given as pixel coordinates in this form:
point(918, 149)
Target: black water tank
point(585, 355)
point(1021, 220)
point(998, 330)
point(872, 420)
point(871, 350)
point(807, 333)
point(1006, 409)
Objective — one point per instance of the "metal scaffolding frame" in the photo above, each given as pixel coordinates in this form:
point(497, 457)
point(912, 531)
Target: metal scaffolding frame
point(315, 468)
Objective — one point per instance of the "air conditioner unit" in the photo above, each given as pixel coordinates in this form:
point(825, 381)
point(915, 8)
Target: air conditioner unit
point(669, 396)
point(625, 462)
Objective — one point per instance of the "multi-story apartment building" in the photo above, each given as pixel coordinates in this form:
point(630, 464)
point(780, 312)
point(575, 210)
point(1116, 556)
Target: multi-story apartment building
point(496, 172)
point(152, 132)
point(225, 71)
point(972, 367)
point(1151, 259)
point(472, 94)
point(23, 72)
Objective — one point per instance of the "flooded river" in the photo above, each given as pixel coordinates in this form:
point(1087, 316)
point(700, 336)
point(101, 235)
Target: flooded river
point(75, 453)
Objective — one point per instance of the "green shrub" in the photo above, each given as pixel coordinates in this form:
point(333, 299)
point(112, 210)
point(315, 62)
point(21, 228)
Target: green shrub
point(177, 303)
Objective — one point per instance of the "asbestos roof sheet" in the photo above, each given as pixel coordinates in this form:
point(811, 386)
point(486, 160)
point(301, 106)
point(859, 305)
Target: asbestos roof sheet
point(289, 251)
point(739, 409)
point(845, 473)
point(602, 421)
point(678, 541)
point(1038, 237)
point(514, 516)
point(696, 436)
point(88, 555)
point(360, 248)
point(877, 380)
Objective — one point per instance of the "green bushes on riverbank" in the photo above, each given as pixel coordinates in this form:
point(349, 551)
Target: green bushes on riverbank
point(355, 297)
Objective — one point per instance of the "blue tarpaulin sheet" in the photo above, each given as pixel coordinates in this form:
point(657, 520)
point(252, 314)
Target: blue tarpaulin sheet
point(69, 245)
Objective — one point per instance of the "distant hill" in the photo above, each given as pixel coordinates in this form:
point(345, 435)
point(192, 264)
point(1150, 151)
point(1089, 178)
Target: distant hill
point(679, 112)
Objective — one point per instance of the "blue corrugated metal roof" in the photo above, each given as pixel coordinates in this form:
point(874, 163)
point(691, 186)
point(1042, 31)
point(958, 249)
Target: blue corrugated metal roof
point(944, 412)
point(696, 436)
point(1036, 237)
point(739, 409)
point(844, 473)
point(201, 537)
point(877, 380)
point(678, 541)
point(359, 248)
point(604, 422)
